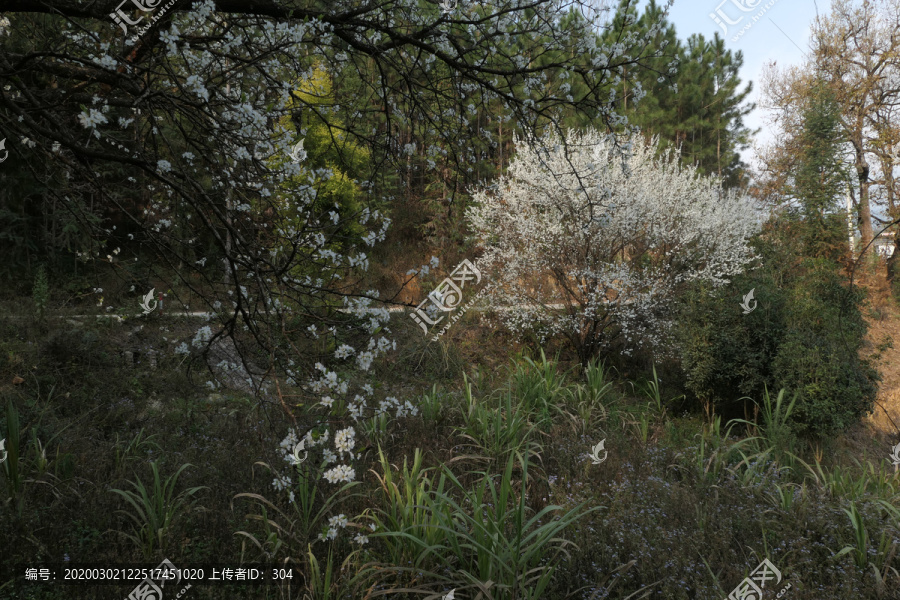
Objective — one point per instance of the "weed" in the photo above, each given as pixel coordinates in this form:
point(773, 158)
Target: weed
point(537, 387)
point(497, 432)
point(859, 551)
point(432, 404)
point(133, 450)
point(783, 497)
point(487, 544)
point(776, 432)
point(156, 510)
point(375, 428)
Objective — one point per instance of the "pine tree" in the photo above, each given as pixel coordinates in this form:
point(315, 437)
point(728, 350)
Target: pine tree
point(703, 111)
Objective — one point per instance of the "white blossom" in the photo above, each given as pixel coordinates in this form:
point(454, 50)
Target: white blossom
point(91, 119)
point(345, 440)
point(608, 233)
point(340, 473)
point(203, 335)
point(281, 483)
point(344, 351)
point(364, 360)
point(338, 521)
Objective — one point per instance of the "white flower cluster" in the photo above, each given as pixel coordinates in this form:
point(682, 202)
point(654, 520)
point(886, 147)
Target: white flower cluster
point(424, 269)
point(195, 84)
point(281, 483)
point(92, 118)
point(340, 473)
point(288, 443)
point(334, 523)
point(344, 351)
point(338, 521)
point(203, 335)
point(344, 441)
point(403, 410)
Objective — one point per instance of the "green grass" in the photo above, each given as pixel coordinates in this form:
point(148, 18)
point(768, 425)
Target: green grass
point(155, 510)
point(488, 491)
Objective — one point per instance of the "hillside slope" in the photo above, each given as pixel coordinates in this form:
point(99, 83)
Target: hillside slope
point(883, 345)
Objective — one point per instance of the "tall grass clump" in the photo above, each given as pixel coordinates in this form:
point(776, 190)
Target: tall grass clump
point(538, 387)
point(589, 403)
point(156, 510)
point(497, 426)
point(775, 432)
point(878, 557)
point(483, 541)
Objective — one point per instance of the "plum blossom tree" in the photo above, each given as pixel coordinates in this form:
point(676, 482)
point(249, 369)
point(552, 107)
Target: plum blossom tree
point(592, 245)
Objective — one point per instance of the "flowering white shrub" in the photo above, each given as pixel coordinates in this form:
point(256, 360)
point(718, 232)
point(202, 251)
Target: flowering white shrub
point(592, 243)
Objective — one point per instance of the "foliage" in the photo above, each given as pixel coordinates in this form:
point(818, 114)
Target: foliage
point(612, 242)
point(804, 336)
point(191, 176)
point(853, 52)
point(696, 105)
point(41, 292)
point(156, 510)
point(331, 164)
point(819, 177)
point(487, 543)
point(664, 498)
point(178, 138)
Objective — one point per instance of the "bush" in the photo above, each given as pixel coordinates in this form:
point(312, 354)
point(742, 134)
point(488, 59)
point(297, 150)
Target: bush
point(804, 336)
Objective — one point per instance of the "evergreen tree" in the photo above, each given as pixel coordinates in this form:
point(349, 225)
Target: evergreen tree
point(698, 106)
point(819, 176)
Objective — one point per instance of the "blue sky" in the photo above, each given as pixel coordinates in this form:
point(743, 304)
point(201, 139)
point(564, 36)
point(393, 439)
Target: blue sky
point(761, 43)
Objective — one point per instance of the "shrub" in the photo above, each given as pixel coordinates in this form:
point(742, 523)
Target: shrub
point(804, 336)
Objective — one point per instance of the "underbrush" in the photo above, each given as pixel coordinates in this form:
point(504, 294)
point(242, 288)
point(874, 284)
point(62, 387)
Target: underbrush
point(494, 489)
